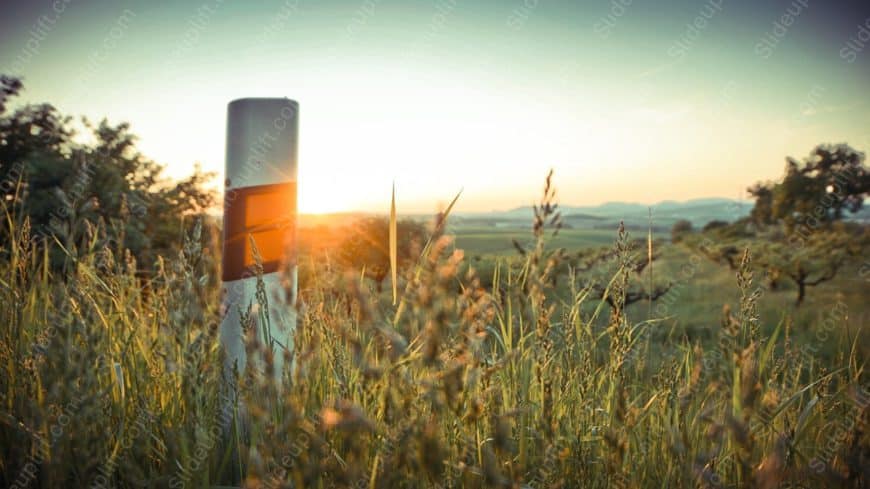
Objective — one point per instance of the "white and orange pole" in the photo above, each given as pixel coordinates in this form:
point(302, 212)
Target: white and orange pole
point(260, 206)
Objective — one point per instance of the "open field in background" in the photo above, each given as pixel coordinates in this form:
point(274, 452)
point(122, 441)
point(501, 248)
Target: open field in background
point(692, 308)
point(485, 240)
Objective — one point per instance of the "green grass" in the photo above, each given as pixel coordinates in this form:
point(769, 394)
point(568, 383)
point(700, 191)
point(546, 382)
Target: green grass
point(111, 380)
point(482, 240)
point(702, 288)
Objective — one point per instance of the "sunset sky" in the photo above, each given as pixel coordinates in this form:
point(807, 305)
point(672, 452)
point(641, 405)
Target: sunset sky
point(627, 100)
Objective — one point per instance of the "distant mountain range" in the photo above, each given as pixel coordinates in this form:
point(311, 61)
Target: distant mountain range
point(604, 216)
point(664, 214)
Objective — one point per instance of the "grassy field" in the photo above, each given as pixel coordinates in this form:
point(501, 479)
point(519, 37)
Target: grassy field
point(110, 380)
point(486, 240)
point(700, 288)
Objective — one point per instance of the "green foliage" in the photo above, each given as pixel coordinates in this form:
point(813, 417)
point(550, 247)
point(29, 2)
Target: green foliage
point(58, 182)
point(762, 212)
point(795, 228)
point(9, 87)
point(804, 259)
point(679, 229)
point(811, 259)
point(365, 246)
point(831, 180)
point(715, 224)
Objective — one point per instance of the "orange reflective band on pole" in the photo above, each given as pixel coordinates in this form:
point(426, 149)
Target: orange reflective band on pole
point(266, 213)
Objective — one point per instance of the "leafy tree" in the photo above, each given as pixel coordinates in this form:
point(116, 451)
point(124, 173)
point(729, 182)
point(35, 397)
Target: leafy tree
point(9, 87)
point(762, 212)
point(714, 224)
point(366, 246)
point(830, 181)
point(104, 189)
point(680, 229)
point(810, 262)
point(795, 230)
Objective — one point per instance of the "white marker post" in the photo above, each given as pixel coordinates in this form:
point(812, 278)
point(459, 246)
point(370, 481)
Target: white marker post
point(260, 204)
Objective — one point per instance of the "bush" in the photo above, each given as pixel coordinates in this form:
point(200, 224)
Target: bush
point(713, 225)
point(366, 245)
point(680, 229)
point(60, 183)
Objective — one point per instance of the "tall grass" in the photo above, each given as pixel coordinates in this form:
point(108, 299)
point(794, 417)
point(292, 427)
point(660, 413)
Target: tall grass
point(112, 380)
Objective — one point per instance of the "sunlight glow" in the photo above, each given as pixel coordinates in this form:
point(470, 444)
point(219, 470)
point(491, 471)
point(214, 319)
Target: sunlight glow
point(318, 194)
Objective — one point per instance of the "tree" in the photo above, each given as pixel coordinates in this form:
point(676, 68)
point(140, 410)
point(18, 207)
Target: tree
point(714, 224)
point(795, 229)
point(680, 229)
point(70, 190)
point(9, 87)
point(830, 181)
point(366, 246)
point(762, 212)
point(813, 261)
point(598, 266)
point(728, 254)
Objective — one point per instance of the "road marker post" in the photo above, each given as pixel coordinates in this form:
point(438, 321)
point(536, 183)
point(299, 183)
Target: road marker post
point(259, 219)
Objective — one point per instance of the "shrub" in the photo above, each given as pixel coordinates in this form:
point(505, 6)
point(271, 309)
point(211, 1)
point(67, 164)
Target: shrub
point(680, 229)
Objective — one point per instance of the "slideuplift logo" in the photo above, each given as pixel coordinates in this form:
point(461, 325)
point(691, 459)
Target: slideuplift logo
point(856, 44)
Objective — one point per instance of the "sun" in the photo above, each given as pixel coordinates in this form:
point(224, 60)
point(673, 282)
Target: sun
point(322, 199)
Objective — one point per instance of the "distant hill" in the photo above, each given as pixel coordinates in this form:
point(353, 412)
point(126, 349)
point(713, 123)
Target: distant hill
point(607, 215)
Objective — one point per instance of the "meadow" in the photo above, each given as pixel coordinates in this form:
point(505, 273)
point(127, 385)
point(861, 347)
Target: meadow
point(700, 287)
point(492, 369)
point(487, 241)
